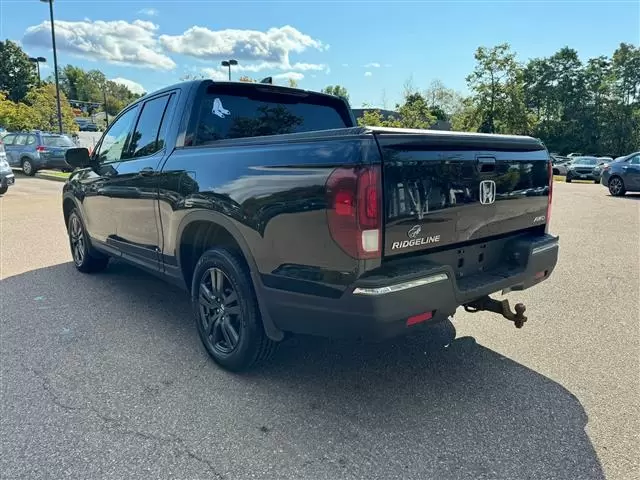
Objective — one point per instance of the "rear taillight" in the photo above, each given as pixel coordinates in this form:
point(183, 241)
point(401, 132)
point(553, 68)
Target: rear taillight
point(354, 210)
point(550, 197)
point(41, 149)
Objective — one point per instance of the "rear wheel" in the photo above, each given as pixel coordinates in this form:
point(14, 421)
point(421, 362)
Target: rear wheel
point(84, 258)
point(3, 189)
point(616, 187)
point(226, 310)
point(28, 168)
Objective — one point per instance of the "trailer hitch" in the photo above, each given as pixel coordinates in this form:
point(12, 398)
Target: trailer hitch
point(501, 307)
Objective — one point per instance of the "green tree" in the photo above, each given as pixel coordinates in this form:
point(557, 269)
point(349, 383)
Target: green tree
point(293, 83)
point(412, 113)
point(16, 116)
point(444, 102)
point(42, 101)
point(497, 82)
point(17, 73)
point(337, 90)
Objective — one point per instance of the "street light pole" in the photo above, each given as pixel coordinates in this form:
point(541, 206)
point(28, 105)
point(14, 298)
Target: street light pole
point(228, 63)
point(37, 61)
point(106, 115)
point(55, 63)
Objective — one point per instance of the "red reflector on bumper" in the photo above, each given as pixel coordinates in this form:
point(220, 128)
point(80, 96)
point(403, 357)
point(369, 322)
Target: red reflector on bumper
point(540, 275)
point(423, 317)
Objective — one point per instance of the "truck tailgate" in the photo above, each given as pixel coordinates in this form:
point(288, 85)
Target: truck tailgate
point(448, 188)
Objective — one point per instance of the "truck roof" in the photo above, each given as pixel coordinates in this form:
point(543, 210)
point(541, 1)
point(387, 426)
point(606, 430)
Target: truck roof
point(196, 83)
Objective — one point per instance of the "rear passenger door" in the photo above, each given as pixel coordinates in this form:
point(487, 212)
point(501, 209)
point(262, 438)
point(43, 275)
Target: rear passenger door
point(632, 173)
point(134, 187)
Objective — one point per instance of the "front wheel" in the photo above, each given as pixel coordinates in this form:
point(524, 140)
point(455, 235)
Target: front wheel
point(227, 313)
point(84, 259)
point(27, 168)
point(567, 179)
point(3, 189)
point(616, 187)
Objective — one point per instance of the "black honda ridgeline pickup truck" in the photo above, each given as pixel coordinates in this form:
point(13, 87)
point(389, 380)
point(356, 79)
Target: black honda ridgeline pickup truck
point(279, 215)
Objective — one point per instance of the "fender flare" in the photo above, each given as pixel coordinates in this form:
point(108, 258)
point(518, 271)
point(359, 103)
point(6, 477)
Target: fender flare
point(272, 331)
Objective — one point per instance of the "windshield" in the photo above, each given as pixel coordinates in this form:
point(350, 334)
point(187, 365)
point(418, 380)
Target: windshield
point(585, 161)
point(57, 141)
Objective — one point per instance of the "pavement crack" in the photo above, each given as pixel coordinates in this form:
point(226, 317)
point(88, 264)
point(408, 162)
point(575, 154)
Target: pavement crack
point(120, 427)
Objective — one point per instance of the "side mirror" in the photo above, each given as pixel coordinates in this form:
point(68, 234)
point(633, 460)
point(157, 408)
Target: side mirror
point(78, 157)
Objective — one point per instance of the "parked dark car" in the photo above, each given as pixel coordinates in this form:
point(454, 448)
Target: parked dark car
point(7, 177)
point(89, 127)
point(622, 175)
point(33, 151)
point(279, 215)
point(582, 168)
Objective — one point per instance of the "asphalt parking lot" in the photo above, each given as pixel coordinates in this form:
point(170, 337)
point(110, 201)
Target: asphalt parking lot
point(104, 376)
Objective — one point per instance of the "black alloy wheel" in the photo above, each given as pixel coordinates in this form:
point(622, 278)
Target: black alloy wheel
point(220, 313)
point(84, 258)
point(76, 239)
point(226, 310)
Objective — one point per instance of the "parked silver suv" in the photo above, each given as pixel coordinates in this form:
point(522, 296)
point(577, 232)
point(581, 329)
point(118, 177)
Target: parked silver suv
point(33, 151)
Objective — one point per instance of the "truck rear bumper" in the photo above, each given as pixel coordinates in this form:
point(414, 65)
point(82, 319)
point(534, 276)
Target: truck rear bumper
point(384, 306)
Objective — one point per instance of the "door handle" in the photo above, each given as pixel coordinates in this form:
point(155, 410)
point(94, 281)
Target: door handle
point(147, 171)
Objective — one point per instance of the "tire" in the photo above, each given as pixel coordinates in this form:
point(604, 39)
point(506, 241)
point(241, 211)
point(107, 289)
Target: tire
point(556, 171)
point(84, 258)
point(616, 186)
point(4, 189)
point(226, 311)
point(567, 179)
point(27, 167)
point(596, 181)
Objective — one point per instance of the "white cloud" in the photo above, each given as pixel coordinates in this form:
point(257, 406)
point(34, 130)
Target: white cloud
point(367, 74)
point(134, 87)
point(216, 74)
point(150, 12)
point(116, 41)
point(271, 48)
point(297, 76)
point(372, 65)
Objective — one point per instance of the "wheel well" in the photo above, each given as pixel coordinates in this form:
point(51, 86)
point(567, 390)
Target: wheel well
point(67, 207)
point(199, 237)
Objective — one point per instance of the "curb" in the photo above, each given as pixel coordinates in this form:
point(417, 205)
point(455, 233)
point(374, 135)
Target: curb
point(47, 176)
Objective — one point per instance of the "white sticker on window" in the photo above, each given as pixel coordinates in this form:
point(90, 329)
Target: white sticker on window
point(219, 110)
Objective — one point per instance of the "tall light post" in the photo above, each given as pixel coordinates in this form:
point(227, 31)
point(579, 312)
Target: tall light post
point(55, 63)
point(228, 63)
point(38, 61)
point(104, 93)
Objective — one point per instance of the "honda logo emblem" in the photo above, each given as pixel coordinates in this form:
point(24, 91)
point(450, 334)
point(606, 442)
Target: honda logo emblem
point(487, 192)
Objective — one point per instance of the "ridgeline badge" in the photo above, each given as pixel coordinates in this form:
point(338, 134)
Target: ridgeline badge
point(416, 240)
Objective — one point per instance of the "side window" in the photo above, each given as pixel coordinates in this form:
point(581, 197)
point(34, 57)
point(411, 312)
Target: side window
point(31, 140)
point(21, 139)
point(149, 135)
point(8, 140)
point(635, 160)
point(115, 138)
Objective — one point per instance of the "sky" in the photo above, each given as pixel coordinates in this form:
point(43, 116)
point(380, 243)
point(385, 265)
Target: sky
point(370, 47)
